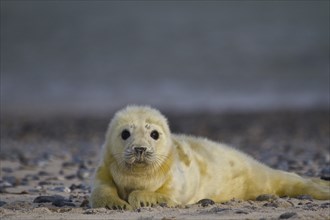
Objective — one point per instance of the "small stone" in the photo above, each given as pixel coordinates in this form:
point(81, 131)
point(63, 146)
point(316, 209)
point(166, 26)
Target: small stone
point(83, 165)
point(44, 199)
point(71, 177)
point(241, 212)
point(77, 160)
point(43, 173)
point(287, 215)
point(30, 177)
point(43, 183)
point(80, 186)
point(325, 205)
point(2, 203)
point(69, 164)
point(61, 189)
point(83, 173)
point(89, 212)
point(217, 210)
point(5, 184)
point(305, 197)
point(13, 181)
point(271, 204)
point(325, 173)
point(205, 202)
point(266, 197)
point(64, 202)
point(7, 170)
point(24, 182)
point(56, 200)
point(74, 186)
point(40, 162)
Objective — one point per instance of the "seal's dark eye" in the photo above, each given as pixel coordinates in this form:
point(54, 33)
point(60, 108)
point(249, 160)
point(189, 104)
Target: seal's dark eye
point(154, 134)
point(125, 134)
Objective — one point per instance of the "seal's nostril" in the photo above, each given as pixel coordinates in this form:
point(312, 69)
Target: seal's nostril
point(140, 150)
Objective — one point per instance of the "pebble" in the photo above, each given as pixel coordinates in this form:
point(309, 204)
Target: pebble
point(71, 177)
point(2, 203)
point(83, 172)
point(29, 177)
point(266, 197)
point(270, 204)
point(68, 164)
point(241, 212)
point(287, 215)
point(56, 200)
point(61, 203)
point(325, 173)
point(205, 202)
point(61, 189)
point(80, 186)
point(13, 181)
point(24, 182)
point(40, 162)
point(325, 205)
point(44, 199)
point(89, 212)
point(5, 184)
point(217, 209)
point(43, 173)
point(305, 197)
point(7, 170)
point(78, 160)
point(43, 183)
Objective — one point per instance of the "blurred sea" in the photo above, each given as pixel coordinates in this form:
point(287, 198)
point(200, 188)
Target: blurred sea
point(85, 57)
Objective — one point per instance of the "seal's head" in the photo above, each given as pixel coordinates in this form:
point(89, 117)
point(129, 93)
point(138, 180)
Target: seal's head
point(139, 136)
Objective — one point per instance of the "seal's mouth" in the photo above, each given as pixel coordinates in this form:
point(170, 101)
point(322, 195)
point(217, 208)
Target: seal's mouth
point(138, 162)
point(138, 156)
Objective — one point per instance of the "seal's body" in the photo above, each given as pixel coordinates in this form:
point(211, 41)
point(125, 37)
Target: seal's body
point(143, 164)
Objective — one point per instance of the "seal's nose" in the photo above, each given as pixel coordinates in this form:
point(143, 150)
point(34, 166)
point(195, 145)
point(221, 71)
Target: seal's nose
point(140, 150)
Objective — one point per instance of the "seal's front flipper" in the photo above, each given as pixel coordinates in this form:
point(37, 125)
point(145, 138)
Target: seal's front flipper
point(139, 199)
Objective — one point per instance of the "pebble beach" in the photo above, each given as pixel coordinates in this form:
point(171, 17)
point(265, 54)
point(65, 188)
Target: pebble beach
point(47, 164)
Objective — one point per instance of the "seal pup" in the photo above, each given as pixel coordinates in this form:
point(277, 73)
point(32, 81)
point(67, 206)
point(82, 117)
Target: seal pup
point(143, 164)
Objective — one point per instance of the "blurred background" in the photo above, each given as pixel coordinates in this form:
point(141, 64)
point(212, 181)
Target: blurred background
point(93, 57)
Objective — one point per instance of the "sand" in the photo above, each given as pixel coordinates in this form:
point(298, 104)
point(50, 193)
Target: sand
point(56, 156)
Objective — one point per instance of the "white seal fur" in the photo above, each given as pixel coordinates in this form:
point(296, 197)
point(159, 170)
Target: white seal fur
point(143, 164)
